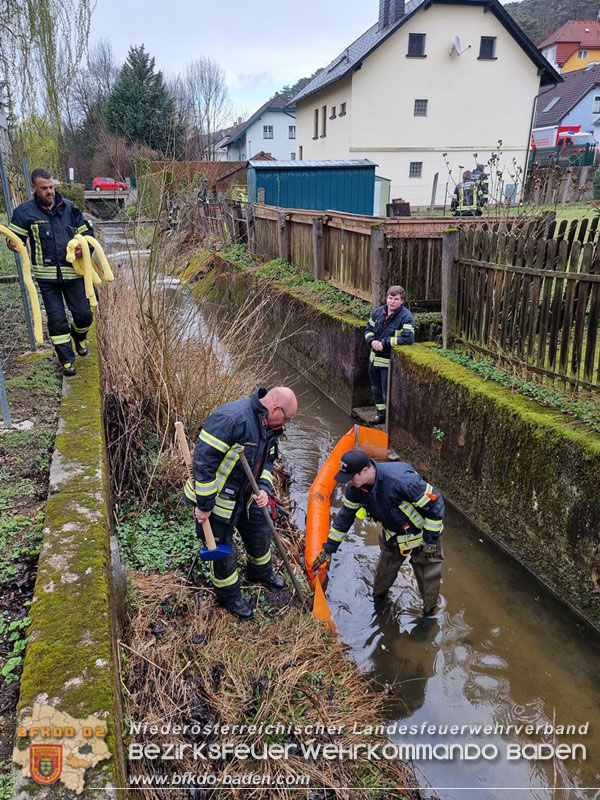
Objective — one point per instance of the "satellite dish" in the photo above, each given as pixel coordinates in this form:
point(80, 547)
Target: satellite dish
point(457, 47)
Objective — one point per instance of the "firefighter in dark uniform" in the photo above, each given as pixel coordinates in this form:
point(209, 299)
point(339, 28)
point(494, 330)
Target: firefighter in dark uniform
point(481, 179)
point(223, 495)
point(390, 325)
point(50, 221)
point(411, 512)
point(467, 199)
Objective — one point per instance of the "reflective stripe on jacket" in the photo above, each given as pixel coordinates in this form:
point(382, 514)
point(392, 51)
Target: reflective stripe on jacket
point(49, 232)
point(467, 197)
point(219, 479)
point(410, 509)
point(390, 330)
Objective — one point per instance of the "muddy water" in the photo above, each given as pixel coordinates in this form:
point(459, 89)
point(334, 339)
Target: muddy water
point(501, 651)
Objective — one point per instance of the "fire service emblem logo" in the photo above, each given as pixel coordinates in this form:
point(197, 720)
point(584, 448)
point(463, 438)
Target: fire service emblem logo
point(45, 762)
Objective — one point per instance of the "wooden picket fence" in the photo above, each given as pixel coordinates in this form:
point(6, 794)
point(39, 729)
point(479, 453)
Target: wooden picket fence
point(531, 302)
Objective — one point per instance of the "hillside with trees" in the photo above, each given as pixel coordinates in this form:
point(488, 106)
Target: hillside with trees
point(539, 18)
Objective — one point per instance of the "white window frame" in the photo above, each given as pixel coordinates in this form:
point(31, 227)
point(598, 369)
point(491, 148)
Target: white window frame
point(291, 131)
point(266, 129)
point(582, 55)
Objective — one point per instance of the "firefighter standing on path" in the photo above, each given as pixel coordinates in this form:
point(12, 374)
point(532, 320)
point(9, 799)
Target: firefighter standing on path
point(390, 325)
point(223, 495)
point(50, 221)
point(411, 512)
point(467, 199)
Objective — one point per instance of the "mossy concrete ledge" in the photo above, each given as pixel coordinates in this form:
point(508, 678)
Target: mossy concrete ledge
point(71, 662)
point(527, 475)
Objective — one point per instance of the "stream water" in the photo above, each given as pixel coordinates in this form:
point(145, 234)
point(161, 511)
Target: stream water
point(501, 652)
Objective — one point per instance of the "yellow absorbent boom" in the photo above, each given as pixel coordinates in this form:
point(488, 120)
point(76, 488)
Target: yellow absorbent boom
point(33, 295)
point(93, 273)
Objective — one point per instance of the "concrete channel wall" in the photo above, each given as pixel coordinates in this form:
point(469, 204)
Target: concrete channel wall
point(329, 349)
point(526, 475)
point(70, 672)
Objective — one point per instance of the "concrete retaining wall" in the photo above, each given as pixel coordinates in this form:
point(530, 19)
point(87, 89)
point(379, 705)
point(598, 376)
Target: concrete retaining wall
point(526, 475)
point(71, 664)
point(329, 349)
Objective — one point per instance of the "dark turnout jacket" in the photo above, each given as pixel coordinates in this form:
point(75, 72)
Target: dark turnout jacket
point(49, 231)
point(219, 479)
point(410, 509)
point(390, 330)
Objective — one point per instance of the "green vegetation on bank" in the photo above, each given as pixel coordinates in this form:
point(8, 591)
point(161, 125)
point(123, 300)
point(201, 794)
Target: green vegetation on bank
point(585, 411)
point(321, 293)
point(301, 283)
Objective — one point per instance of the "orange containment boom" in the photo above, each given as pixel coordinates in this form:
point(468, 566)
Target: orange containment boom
point(375, 443)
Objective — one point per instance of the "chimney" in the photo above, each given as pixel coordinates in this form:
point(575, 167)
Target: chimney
point(390, 11)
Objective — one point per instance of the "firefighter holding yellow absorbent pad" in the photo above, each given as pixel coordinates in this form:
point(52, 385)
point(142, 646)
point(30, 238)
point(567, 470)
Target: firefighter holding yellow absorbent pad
point(49, 222)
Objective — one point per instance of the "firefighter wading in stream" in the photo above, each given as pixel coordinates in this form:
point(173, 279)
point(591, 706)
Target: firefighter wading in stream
point(411, 512)
point(50, 221)
point(223, 495)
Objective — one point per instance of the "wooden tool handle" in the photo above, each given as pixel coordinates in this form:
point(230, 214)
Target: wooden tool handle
point(184, 448)
point(187, 457)
point(208, 535)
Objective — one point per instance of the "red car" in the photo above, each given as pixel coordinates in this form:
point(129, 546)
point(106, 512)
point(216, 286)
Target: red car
point(108, 185)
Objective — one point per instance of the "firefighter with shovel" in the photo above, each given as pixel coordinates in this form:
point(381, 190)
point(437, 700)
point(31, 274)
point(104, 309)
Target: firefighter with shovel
point(223, 494)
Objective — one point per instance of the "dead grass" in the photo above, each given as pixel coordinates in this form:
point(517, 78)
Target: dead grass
point(188, 662)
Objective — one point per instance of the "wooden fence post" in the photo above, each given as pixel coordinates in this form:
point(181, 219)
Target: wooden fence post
point(319, 251)
point(283, 235)
point(378, 264)
point(450, 247)
point(250, 230)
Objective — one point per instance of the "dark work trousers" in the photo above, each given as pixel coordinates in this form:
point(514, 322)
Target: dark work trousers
point(379, 381)
point(54, 295)
point(256, 536)
point(428, 572)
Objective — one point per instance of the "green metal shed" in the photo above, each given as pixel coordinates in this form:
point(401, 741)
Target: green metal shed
point(314, 185)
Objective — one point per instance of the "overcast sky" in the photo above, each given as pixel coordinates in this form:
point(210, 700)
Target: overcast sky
point(261, 45)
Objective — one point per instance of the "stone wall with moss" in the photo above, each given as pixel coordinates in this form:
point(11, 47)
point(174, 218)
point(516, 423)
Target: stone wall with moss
point(71, 662)
point(527, 475)
point(328, 348)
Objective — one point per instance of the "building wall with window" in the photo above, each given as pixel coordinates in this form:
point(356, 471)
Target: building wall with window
point(277, 142)
point(472, 103)
point(336, 142)
point(585, 113)
point(581, 59)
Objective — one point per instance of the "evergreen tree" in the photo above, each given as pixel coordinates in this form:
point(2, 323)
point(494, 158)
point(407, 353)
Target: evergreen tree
point(139, 107)
point(540, 18)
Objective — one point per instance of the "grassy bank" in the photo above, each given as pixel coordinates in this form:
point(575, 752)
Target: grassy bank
point(584, 408)
point(33, 386)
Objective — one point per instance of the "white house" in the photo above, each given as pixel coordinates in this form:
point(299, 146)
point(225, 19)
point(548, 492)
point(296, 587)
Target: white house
point(271, 130)
point(431, 77)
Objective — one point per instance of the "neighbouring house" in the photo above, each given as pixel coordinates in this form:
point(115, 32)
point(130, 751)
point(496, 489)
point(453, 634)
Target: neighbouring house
point(431, 80)
point(573, 103)
point(573, 46)
point(271, 129)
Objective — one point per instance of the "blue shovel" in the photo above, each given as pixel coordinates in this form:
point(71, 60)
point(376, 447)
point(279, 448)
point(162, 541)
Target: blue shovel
point(213, 551)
